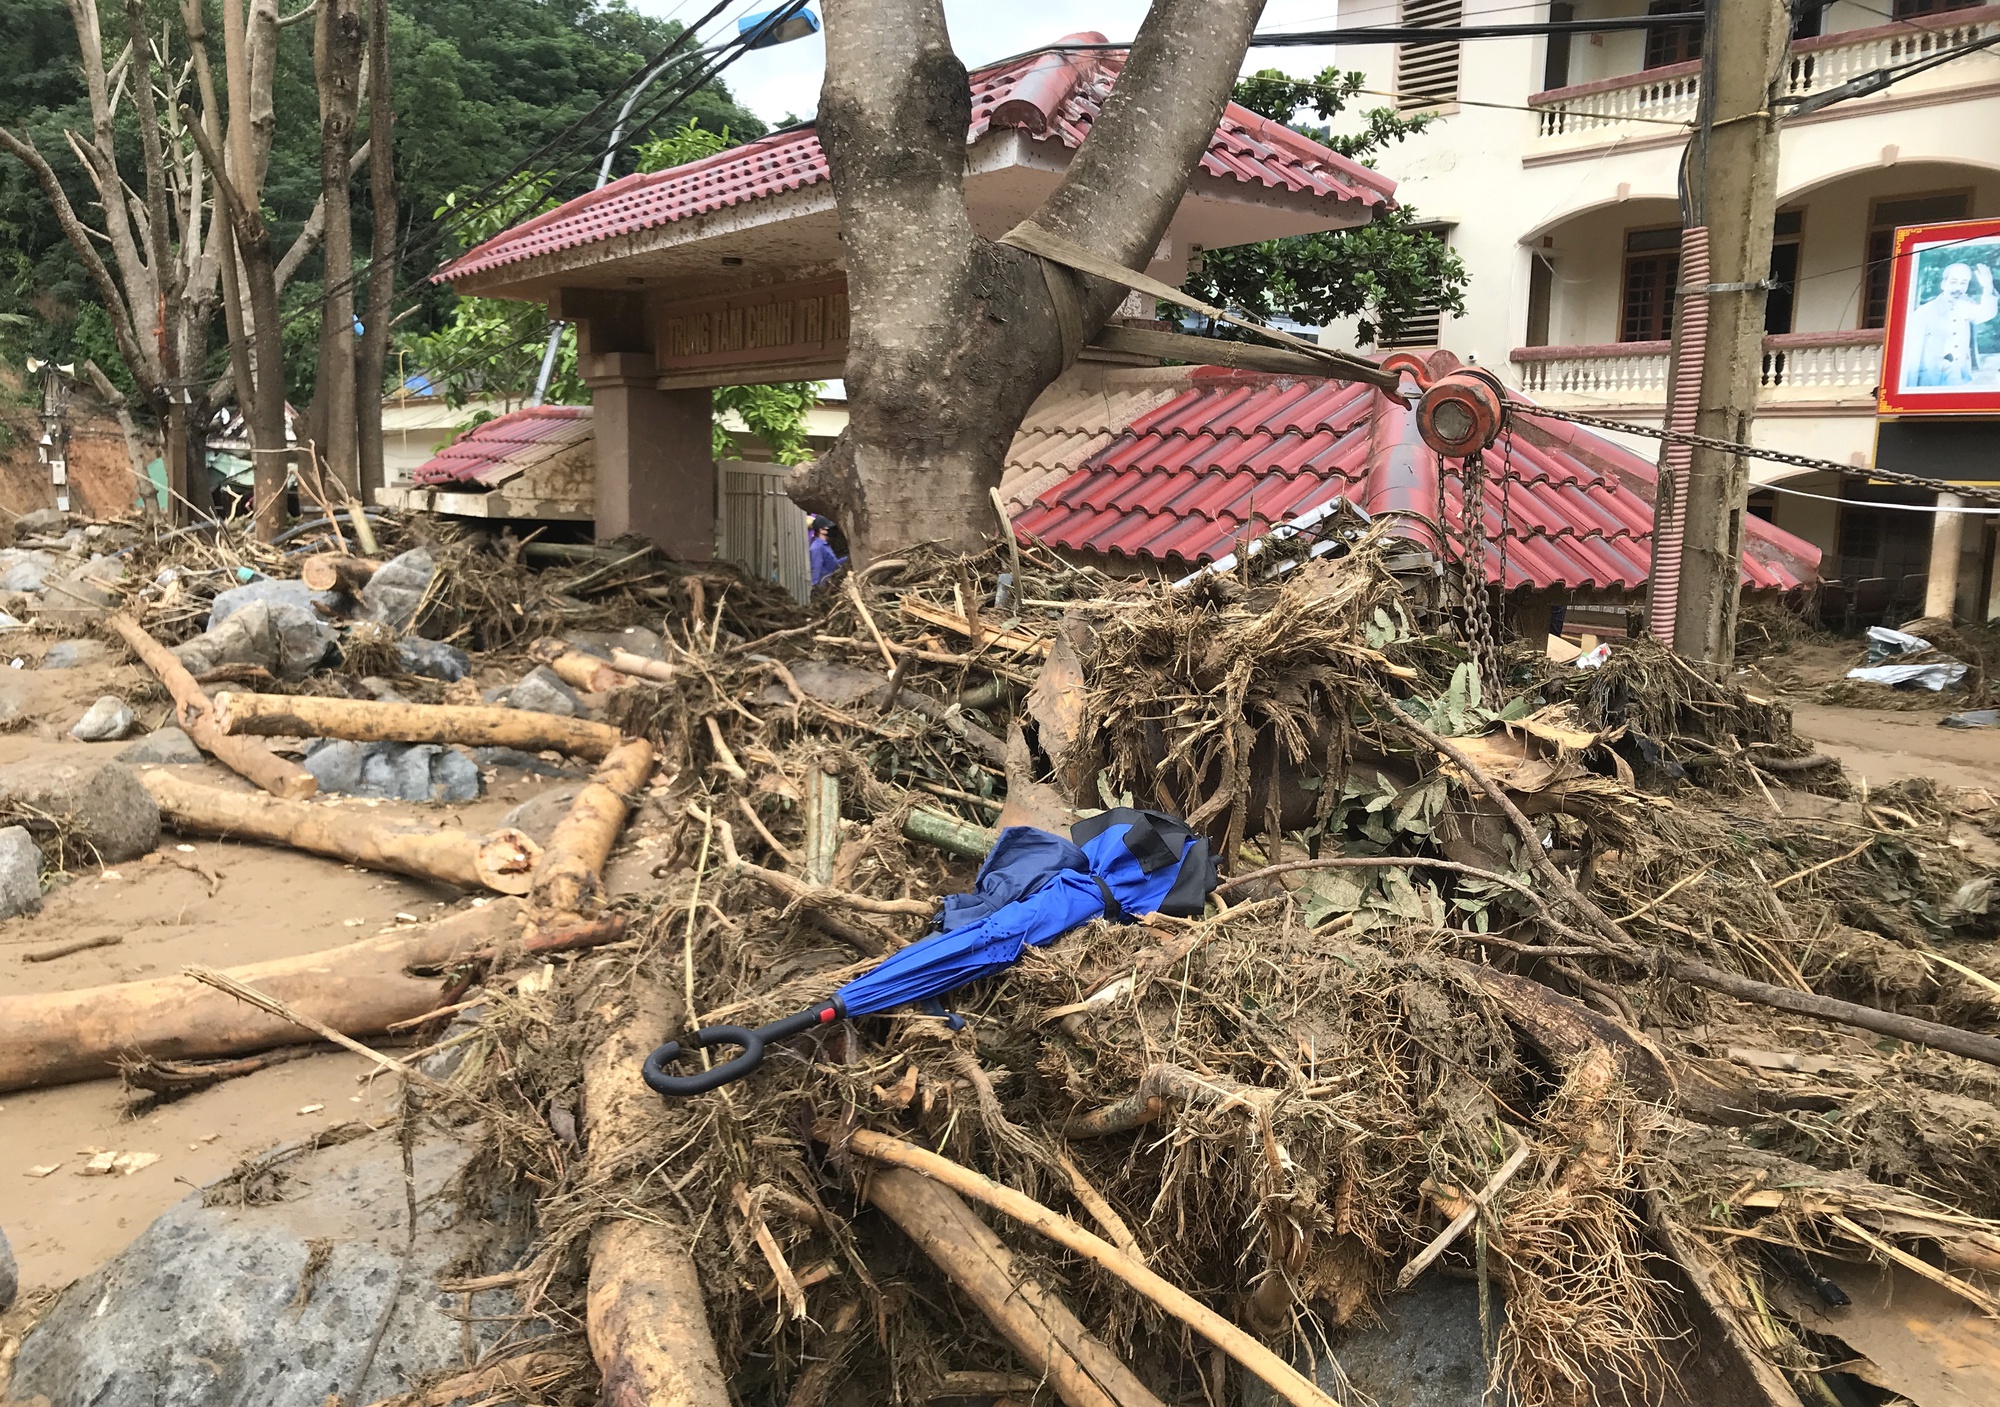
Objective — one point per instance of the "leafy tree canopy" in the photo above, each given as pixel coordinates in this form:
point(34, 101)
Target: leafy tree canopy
point(1383, 271)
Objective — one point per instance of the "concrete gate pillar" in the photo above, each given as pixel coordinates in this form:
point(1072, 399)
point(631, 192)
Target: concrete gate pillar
point(655, 457)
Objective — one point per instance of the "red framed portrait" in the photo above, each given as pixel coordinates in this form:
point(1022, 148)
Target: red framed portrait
point(1941, 340)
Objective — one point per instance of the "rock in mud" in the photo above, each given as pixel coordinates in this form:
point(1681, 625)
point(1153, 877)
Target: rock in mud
point(97, 811)
point(393, 771)
point(533, 764)
point(25, 569)
point(431, 659)
point(539, 815)
point(163, 747)
point(272, 1301)
point(395, 594)
point(105, 721)
point(542, 690)
point(40, 522)
point(81, 598)
point(73, 654)
point(282, 636)
point(20, 876)
point(10, 1277)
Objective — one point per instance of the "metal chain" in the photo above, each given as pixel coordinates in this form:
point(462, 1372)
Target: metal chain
point(1773, 456)
point(1472, 575)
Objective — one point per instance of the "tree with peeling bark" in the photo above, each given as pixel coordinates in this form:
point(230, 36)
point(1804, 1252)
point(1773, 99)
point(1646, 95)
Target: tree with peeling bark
point(952, 336)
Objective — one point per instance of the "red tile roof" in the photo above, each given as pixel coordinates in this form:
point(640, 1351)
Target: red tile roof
point(1236, 453)
point(505, 446)
point(1051, 95)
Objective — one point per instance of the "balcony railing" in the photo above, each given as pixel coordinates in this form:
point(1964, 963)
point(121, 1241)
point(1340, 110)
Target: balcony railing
point(1796, 366)
point(1670, 94)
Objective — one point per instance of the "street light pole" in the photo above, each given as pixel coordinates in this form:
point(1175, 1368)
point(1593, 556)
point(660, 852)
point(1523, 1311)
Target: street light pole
point(798, 25)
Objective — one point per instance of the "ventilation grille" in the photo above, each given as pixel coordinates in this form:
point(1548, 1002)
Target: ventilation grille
point(1427, 74)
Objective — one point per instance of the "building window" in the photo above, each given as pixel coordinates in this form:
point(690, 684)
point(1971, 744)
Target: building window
point(1427, 74)
point(1673, 43)
point(1424, 324)
point(1652, 270)
point(1541, 296)
point(1780, 303)
point(1555, 59)
point(1917, 9)
point(1883, 218)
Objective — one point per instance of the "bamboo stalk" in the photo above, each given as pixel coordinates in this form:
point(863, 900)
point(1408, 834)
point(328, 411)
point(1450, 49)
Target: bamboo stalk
point(249, 759)
point(366, 720)
point(1279, 1375)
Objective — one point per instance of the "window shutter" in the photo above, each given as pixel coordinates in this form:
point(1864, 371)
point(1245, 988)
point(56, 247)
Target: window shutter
point(1427, 74)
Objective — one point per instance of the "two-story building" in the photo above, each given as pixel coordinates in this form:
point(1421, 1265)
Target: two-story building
point(1553, 169)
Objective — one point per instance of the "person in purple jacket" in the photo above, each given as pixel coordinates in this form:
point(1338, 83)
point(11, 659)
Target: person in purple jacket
point(824, 560)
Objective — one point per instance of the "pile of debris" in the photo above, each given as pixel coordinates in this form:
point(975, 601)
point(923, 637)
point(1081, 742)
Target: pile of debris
point(1598, 988)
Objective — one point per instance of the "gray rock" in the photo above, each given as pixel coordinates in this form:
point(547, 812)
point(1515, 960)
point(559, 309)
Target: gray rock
point(25, 569)
point(380, 689)
point(98, 809)
point(10, 1277)
point(82, 597)
point(164, 747)
point(542, 690)
point(105, 721)
point(396, 592)
point(274, 592)
point(540, 814)
point(524, 762)
point(283, 637)
point(636, 638)
point(212, 1307)
point(69, 654)
point(42, 520)
point(20, 883)
point(393, 771)
point(432, 659)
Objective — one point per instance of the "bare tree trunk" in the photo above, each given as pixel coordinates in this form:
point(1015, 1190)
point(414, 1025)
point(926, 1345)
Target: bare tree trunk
point(339, 41)
point(953, 336)
point(374, 348)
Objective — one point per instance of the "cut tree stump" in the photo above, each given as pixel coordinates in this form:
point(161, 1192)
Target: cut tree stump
point(246, 757)
point(1050, 1339)
point(501, 860)
point(369, 721)
point(570, 873)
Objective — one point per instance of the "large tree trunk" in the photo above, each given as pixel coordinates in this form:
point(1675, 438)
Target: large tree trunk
point(373, 350)
point(952, 336)
point(339, 40)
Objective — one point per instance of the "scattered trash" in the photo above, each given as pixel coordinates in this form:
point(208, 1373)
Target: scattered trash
point(1936, 676)
point(1887, 644)
point(1972, 718)
point(1592, 658)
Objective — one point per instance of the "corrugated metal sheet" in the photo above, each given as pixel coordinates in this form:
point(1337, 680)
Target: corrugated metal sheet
point(1050, 95)
point(1234, 454)
point(506, 445)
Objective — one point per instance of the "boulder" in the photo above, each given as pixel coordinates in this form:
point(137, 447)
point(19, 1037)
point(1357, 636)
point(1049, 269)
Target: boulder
point(274, 592)
point(635, 638)
point(70, 654)
point(20, 876)
point(40, 522)
point(26, 569)
point(393, 771)
point(432, 659)
point(395, 594)
point(262, 1300)
point(10, 1276)
point(81, 598)
point(107, 720)
point(164, 747)
point(286, 638)
point(542, 690)
point(539, 815)
point(96, 811)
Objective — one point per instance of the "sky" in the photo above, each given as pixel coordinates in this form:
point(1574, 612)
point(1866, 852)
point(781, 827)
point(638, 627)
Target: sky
point(784, 81)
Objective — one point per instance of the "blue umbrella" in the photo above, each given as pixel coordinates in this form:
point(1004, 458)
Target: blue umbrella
point(1033, 887)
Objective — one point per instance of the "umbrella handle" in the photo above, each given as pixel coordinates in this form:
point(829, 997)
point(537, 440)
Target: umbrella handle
point(737, 1066)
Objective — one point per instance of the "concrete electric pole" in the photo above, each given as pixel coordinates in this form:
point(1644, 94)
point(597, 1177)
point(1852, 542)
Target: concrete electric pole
point(1732, 178)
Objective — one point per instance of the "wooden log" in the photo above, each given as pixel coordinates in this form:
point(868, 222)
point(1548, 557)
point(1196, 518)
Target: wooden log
point(501, 860)
point(570, 873)
point(644, 1312)
point(52, 1038)
point(585, 671)
point(369, 721)
point(336, 571)
point(638, 666)
point(248, 758)
point(1050, 1339)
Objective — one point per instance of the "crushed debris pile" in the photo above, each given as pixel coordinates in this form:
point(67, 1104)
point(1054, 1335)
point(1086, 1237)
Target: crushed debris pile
point(1609, 995)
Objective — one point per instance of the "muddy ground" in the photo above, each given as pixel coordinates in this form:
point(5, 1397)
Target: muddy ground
point(269, 903)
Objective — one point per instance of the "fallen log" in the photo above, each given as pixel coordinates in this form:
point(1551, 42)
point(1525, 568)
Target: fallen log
point(246, 757)
point(570, 873)
point(577, 668)
point(336, 571)
point(501, 860)
point(644, 1313)
point(52, 1038)
point(369, 721)
point(1283, 1379)
point(1050, 1339)
point(638, 666)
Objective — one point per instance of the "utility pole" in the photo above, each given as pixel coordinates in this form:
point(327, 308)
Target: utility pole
point(1732, 179)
